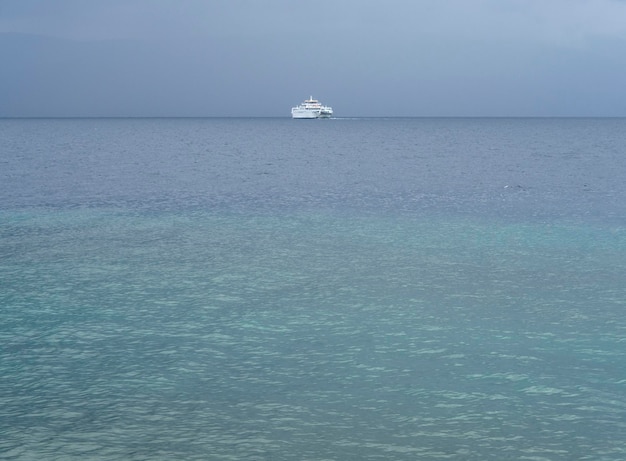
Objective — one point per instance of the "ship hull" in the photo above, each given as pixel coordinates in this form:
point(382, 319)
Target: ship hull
point(303, 113)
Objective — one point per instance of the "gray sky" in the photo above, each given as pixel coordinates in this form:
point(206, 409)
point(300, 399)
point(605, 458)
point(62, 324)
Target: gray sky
point(363, 57)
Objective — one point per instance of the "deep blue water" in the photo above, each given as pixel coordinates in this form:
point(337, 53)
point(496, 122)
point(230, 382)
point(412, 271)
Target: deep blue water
point(270, 289)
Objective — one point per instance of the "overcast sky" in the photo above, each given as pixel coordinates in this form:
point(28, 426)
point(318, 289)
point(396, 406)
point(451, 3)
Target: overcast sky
point(363, 57)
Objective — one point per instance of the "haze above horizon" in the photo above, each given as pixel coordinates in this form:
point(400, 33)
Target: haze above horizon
point(165, 58)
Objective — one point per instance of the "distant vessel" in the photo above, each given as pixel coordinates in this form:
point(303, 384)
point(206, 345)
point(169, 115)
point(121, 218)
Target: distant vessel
point(311, 108)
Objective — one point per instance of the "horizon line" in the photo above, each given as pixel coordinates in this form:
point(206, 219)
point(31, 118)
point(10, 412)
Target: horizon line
point(346, 117)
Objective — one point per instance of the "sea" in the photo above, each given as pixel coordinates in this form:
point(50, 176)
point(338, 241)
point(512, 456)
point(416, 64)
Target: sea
point(313, 290)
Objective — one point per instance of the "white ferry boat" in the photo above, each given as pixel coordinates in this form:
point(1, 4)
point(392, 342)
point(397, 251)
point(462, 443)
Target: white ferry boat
point(311, 108)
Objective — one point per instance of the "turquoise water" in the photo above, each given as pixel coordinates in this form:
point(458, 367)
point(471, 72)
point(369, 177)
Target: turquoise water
point(351, 305)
